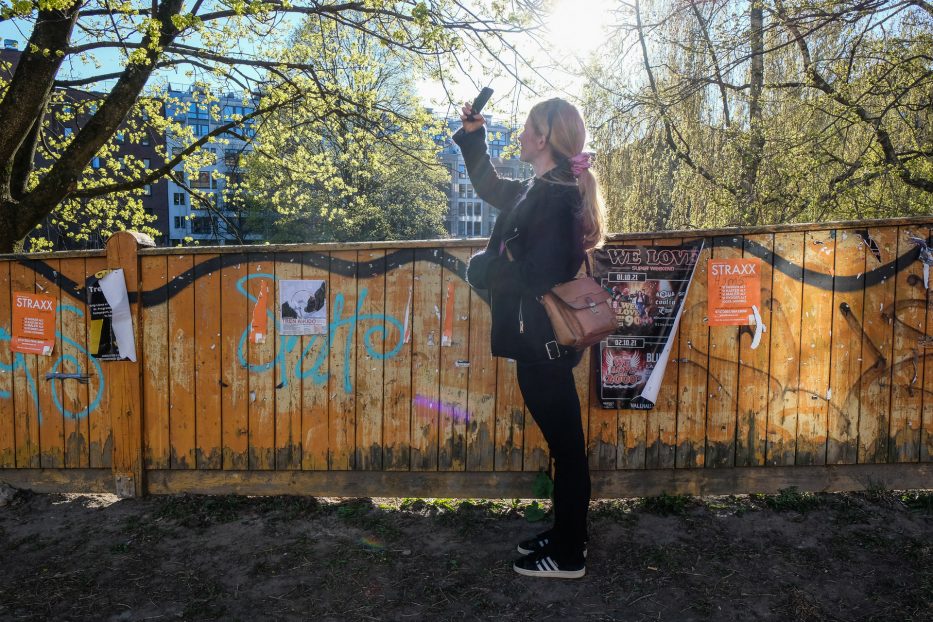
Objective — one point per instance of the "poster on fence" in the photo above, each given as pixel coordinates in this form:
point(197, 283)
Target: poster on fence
point(33, 323)
point(649, 286)
point(734, 291)
point(111, 326)
point(303, 307)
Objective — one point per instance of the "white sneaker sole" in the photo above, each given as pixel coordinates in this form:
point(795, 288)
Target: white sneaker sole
point(529, 551)
point(551, 574)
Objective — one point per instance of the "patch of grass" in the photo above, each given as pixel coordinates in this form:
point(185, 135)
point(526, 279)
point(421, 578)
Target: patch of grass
point(667, 505)
point(618, 510)
point(791, 500)
point(918, 500)
point(362, 513)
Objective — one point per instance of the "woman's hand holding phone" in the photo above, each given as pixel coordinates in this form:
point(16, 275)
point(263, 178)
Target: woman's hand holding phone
point(471, 122)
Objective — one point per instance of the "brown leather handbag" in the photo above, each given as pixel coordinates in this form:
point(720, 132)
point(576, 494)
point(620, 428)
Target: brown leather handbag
point(580, 311)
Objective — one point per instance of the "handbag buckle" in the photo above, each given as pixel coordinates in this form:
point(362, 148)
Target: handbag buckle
point(556, 350)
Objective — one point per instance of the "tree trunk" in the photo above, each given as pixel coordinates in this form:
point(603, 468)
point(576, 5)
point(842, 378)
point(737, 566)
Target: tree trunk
point(748, 197)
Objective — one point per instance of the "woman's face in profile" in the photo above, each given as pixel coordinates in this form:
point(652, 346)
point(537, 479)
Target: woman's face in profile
point(532, 143)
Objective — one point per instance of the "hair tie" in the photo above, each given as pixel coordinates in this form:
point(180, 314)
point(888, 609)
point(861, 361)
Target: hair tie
point(580, 163)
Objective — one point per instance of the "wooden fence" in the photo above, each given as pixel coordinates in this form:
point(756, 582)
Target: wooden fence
point(838, 396)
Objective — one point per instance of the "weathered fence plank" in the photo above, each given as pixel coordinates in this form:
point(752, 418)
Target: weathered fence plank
point(371, 348)
point(694, 364)
point(287, 386)
point(454, 361)
point(481, 387)
point(314, 370)
point(813, 395)
point(846, 344)
point(73, 397)
point(877, 347)
point(156, 374)
point(234, 379)
point(755, 381)
point(909, 317)
point(207, 358)
point(7, 360)
point(397, 420)
point(425, 371)
point(25, 383)
point(261, 361)
point(100, 429)
point(786, 312)
point(181, 330)
point(344, 299)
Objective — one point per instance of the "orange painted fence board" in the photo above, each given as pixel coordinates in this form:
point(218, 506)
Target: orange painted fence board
point(404, 379)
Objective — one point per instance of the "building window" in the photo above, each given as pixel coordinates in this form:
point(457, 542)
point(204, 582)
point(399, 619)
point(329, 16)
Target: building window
point(200, 129)
point(147, 163)
point(120, 137)
point(95, 162)
point(68, 132)
point(461, 189)
point(461, 207)
point(200, 224)
point(147, 190)
point(179, 224)
point(178, 198)
point(203, 181)
point(145, 139)
point(461, 228)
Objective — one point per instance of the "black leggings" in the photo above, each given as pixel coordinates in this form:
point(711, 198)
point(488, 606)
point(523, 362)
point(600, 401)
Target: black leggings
point(551, 396)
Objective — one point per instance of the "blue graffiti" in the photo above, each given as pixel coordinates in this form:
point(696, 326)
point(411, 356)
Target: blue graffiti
point(19, 363)
point(287, 343)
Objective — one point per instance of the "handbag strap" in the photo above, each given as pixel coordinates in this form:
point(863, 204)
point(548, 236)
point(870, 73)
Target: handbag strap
point(586, 262)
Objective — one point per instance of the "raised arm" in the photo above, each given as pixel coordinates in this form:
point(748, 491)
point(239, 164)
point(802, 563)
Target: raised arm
point(498, 192)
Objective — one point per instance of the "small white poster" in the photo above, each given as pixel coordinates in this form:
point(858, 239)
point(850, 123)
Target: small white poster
point(303, 307)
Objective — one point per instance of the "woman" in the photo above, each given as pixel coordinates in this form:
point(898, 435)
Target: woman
point(545, 226)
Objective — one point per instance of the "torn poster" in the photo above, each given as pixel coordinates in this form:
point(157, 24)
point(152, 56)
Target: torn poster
point(103, 338)
point(926, 257)
point(113, 286)
point(33, 323)
point(303, 307)
point(448, 333)
point(649, 286)
point(259, 321)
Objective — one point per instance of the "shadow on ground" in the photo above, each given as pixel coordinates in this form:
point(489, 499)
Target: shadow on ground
point(792, 556)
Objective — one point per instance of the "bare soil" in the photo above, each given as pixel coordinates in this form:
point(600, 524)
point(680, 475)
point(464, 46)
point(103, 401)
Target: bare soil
point(793, 556)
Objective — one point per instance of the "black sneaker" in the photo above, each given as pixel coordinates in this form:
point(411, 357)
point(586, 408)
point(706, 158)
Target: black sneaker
point(538, 543)
point(542, 564)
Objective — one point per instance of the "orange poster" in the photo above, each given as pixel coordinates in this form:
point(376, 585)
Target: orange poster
point(33, 323)
point(734, 291)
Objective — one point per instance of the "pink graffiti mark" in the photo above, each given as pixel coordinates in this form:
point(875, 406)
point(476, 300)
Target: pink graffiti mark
point(448, 410)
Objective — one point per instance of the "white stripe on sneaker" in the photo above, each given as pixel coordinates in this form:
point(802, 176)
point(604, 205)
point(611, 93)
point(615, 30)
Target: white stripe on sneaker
point(550, 564)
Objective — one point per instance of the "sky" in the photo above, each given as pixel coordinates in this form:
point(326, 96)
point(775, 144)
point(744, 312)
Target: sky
point(573, 35)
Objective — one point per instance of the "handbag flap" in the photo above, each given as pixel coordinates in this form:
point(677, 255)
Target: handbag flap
point(581, 293)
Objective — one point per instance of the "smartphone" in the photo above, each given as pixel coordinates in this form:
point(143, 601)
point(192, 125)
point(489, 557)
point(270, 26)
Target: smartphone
point(480, 101)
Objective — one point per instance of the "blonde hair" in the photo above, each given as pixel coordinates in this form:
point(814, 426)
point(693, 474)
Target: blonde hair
point(562, 124)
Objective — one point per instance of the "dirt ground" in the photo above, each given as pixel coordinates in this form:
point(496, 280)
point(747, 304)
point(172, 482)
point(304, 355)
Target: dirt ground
point(792, 556)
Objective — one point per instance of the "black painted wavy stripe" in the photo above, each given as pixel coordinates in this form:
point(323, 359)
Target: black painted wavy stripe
point(402, 257)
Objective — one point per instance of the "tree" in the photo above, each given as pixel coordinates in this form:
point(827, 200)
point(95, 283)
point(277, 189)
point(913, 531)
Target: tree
point(222, 43)
point(755, 112)
point(340, 177)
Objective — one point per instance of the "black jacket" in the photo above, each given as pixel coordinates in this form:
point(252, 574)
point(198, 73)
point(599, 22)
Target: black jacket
point(539, 224)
